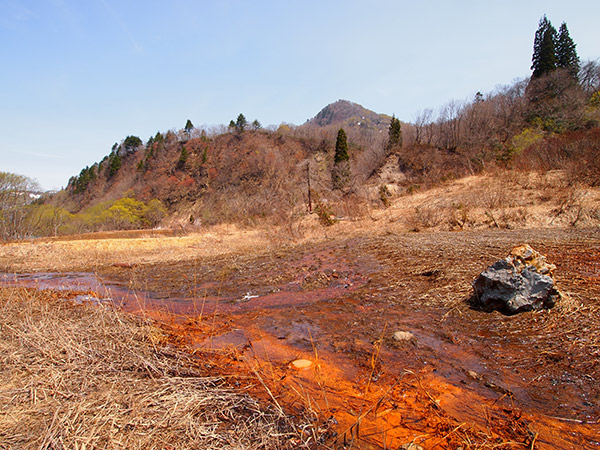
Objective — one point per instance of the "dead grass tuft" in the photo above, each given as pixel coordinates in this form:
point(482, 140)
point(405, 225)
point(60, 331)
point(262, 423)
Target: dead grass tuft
point(87, 376)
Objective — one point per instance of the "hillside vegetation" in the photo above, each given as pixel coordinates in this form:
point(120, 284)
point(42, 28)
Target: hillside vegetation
point(249, 175)
point(246, 174)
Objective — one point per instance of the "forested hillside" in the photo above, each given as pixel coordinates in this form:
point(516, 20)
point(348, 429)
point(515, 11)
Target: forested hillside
point(239, 175)
point(244, 173)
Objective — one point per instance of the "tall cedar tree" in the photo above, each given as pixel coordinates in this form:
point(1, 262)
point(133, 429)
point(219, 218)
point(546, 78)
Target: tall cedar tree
point(189, 126)
point(394, 134)
point(544, 52)
point(340, 174)
point(566, 54)
point(341, 148)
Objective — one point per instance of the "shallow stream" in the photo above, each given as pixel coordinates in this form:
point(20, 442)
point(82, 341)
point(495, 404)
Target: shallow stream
point(340, 309)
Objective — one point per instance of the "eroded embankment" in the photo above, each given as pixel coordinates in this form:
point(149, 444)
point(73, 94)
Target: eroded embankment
point(459, 378)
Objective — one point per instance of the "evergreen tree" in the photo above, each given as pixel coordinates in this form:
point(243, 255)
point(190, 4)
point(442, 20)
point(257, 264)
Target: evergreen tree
point(394, 134)
point(566, 54)
point(183, 157)
point(241, 122)
point(547, 54)
point(189, 126)
point(87, 175)
point(341, 168)
point(341, 147)
point(114, 164)
point(544, 49)
point(131, 143)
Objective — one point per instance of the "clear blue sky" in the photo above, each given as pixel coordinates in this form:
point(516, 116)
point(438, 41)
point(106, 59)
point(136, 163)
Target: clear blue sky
point(79, 75)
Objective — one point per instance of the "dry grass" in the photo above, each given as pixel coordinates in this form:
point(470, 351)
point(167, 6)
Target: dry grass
point(507, 199)
point(100, 250)
point(87, 376)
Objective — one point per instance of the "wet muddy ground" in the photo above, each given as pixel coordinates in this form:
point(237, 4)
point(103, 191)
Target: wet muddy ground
point(458, 378)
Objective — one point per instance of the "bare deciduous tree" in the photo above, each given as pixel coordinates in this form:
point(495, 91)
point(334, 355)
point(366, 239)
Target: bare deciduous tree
point(589, 76)
point(17, 192)
point(449, 124)
point(423, 118)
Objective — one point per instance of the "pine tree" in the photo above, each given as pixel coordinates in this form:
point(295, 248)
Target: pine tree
point(241, 122)
point(566, 54)
point(131, 143)
point(544, 49)
point(87, 175)
point(183, 157)
point(341, 168)
point(394, 134)
point(341, 147)
point(189, 126)
point(548, 52)
point(114, 164)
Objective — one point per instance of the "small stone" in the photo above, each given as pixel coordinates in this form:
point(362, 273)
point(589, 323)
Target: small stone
point(300, 364)
point(404, 336)
point(411, 446)
point(523, 251)
point(474, 375)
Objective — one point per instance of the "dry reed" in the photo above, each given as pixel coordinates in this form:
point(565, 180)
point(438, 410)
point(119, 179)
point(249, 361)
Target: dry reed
point(87, 376)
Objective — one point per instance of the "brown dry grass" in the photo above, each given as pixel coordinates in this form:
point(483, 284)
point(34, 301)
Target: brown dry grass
point(506, 199)
point(87, 376)
point(101, 250)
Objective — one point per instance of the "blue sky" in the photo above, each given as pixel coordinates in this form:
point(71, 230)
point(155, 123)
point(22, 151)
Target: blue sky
point(80, 75)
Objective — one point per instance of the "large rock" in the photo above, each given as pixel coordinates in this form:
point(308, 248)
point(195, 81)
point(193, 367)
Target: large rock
point(521, 282)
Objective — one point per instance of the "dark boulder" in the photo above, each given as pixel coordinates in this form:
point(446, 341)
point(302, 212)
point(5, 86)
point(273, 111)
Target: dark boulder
point(521, 282)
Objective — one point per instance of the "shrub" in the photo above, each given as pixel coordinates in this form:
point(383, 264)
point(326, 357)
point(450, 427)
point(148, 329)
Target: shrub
point(325, 214)
point(385, 195)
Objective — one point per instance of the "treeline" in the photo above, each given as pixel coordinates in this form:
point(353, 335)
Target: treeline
point(562, 96)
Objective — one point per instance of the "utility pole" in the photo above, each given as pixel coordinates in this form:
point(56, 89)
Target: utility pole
point(308, 183)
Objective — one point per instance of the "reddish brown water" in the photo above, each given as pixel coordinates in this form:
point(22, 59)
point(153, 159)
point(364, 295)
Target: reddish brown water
point(529, 378)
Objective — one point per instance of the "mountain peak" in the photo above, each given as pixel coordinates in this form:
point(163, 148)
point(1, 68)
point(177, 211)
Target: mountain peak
point(344, 112)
